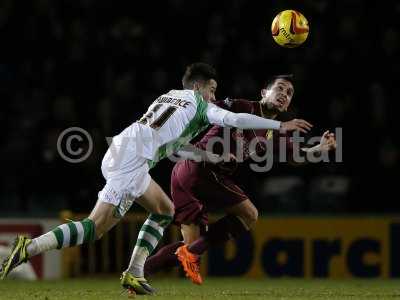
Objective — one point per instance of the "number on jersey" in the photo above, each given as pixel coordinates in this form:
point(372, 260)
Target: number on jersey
point(160, 120)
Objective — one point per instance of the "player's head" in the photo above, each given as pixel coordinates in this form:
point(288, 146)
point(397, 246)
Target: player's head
point(201, 77)
point(278, 92)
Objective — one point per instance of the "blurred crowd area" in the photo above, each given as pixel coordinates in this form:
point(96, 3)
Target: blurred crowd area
point(98, 65)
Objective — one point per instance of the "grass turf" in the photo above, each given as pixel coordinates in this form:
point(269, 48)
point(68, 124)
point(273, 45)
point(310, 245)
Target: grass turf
point(213, 288)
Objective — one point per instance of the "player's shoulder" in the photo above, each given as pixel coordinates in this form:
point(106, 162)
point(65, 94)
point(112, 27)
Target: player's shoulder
point(238, 105)
point(183, 98)
point(182, 94)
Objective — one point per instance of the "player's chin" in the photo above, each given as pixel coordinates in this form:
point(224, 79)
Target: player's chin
point(280, 108)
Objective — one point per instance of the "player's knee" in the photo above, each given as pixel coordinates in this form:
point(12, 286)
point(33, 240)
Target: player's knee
point(166, 208)
point(254, 215)
point(250, 216)
point(170, 209)
point(103, 218)
point(99, 230)
point(99, 235)
point(101, 226)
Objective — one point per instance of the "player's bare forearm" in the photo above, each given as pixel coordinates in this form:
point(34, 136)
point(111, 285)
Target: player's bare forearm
point(314, 149)
point(191, 152)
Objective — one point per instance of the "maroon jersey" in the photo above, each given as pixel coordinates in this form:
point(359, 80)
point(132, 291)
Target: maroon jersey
point(196, 187)
point(239, 141)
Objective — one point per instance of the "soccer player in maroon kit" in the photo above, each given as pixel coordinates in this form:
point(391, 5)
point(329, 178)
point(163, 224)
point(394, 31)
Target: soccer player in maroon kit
point(197, 187)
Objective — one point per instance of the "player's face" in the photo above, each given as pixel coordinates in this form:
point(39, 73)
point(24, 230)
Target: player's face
point(279, 95)
point(207, 90)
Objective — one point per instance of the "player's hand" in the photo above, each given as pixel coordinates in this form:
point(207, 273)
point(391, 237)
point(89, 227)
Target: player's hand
point(328, 141)
point(295, 124)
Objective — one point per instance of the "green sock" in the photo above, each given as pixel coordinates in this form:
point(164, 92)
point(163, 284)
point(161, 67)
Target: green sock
point(149, 236)
point(75, 233)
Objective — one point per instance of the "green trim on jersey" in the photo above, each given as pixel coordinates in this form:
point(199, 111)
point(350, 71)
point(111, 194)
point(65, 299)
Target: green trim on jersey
point(195, 126)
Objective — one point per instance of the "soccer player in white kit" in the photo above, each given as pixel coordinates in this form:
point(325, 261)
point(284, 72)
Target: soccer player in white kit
point(171, 121)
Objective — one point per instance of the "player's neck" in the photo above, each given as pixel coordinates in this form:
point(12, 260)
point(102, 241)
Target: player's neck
point(267, 111)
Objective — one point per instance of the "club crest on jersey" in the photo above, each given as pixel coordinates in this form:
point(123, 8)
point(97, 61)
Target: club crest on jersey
point(268, 135)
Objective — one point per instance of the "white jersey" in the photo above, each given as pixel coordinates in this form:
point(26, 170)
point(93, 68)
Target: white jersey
point(171, 121)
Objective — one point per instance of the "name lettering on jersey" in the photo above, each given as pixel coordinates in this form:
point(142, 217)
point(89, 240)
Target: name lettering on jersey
point(174, 101)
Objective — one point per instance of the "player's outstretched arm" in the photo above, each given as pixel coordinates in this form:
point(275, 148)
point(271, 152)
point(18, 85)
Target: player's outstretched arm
point(327, 143)
point(225, 118)
point(191, 152)
point(249, 121)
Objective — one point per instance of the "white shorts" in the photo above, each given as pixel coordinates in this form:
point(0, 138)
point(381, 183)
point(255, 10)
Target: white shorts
point(127, 179)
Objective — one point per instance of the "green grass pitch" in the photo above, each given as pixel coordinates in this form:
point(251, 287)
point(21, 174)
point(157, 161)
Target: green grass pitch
point(213, 288)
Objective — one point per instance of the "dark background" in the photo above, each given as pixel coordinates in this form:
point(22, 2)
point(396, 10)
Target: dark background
point(99, 64)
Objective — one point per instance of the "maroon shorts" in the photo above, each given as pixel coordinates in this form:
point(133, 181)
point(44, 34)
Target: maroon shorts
point(196, 189)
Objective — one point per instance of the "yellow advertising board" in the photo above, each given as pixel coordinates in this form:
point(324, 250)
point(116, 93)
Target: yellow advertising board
point(323, 247)
point(277, 247)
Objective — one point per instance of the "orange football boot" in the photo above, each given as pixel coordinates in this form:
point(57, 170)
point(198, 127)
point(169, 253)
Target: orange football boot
point(190, 263)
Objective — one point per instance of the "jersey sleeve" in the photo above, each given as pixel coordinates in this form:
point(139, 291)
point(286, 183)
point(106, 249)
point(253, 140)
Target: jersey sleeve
point(215, 114)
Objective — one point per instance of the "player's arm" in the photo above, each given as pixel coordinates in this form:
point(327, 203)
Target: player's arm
point(225, 118)
point(327, 143)
point(191, 152)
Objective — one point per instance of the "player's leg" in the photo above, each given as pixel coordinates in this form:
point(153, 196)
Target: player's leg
point(188, 210)
point(245, 211)
point(229, 226)
point(190, 232)
point(226, 194)
point(161, 209)
point(71, 234)
point(239, 219)
point(197, 242)
point(241, 214)
point(66, 235)
point(106, 213)
point(226, 228)
point(190, 261)
point(166, 257)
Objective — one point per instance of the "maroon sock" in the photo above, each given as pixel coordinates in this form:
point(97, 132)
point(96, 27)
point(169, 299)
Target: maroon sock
point(218, 233)
point(164, 258)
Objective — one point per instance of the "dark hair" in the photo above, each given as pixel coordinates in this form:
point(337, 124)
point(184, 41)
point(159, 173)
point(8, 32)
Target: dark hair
point(198, 72)
point(272, 79)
